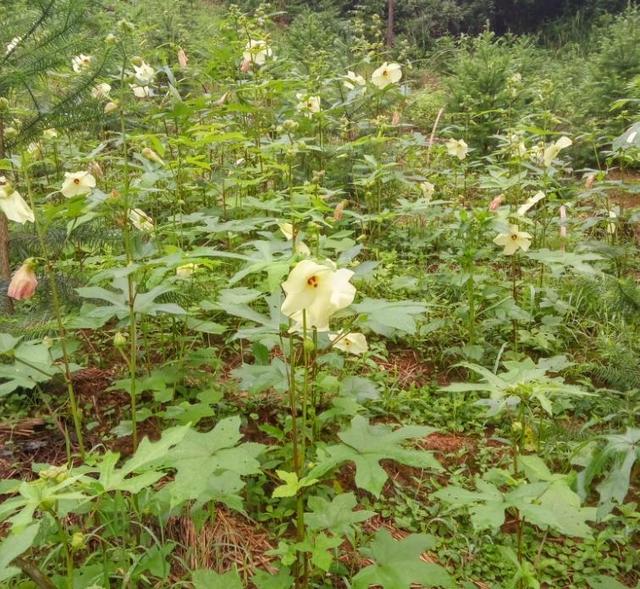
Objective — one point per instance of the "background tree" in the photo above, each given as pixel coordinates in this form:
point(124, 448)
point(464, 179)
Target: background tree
point(40, 38)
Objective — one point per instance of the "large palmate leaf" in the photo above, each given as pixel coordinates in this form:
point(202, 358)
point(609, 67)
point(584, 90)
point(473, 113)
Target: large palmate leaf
point(13, 546)
point(615, 459)
point(522, 378)
point(546, 504)
point(390, 317)
point(141, 463)
point(336, 515)
point(204, 579)
point(366, 445)
point(118, 301)
point(559, 261)
point(33, 363)
point(210, 466)
point(397, 564)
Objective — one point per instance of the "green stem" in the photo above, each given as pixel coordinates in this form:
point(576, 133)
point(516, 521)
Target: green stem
point(132, 291)
point(514, 293)
point(62, 332)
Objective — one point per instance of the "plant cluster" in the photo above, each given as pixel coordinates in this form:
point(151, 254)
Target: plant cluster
point(264, 289)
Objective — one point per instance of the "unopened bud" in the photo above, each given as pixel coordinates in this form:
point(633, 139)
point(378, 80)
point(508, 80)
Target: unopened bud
point(494, 205)
point(589, 180)
point(4, 104)
point(149, 154)
point(127, 27)
point(77, 541)
point(338, 212)
point(120, 340)
point(183, 60)
point(111, 106)
point(95, 170)
point(309, 346)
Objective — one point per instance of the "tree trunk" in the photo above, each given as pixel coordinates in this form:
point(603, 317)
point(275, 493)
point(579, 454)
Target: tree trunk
point(5, 264)
point(391, 18)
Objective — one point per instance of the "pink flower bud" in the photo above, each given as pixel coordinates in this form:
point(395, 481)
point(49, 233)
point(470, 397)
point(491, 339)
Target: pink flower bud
point(245, 66)
point(183, 60)
point(563, 225)
point(338, 213)
point(496, 202)
point(589, 180)
point(24, 282)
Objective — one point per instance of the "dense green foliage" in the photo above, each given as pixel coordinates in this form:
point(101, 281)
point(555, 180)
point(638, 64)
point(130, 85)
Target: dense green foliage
point(293, 308)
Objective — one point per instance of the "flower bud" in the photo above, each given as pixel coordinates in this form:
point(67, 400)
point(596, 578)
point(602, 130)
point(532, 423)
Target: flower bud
point(4, 104)
point(120, 340)
point(56, 474)
point(125, 26)
point(95, 170)
point(110, 39)
point(151, 155)
point(111, 107)
point(494, 205)
point(77, 541)
point(11, 132)
point(338, 213)
point(183, 60)
point(309, 346)
point(24, 282)
point(589, 180)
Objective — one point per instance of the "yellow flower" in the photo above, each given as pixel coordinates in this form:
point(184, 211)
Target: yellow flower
point(256, 51)
point(308, 104)
point(144, 73)
point(530, 202)
point(13, 44)
point(551, 151)
point(81, 62)
point(352, 343)
point(77, 183)
point(352, 80)
point(101, 91)
point(186, 270)
point(13, 205)
point(428, 190)
point(299, 246)
point(317, 289)
point(387, 73)
point(513, 240)
point(141, 91)
point(457, 148)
